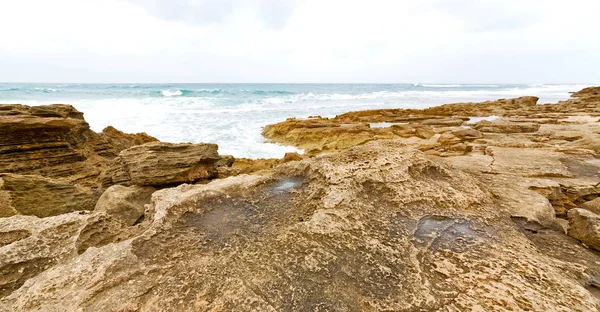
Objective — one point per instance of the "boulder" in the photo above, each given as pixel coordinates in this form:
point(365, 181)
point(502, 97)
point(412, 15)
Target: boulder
point(163, 164)
point(42, 197)
point(592, 205)
point(125, 204)
point(584, 226)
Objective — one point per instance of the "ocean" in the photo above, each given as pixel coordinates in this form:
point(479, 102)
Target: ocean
point(232, 115)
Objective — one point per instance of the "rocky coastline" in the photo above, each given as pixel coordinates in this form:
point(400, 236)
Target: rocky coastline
point(490, 206)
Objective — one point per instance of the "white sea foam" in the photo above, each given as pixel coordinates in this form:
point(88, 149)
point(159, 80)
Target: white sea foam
point(170, 93)
point(442, 85)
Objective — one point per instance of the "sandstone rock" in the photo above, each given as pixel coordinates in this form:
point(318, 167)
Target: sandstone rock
point(121, 141)
point(592, 205)
point(467, 134)
point(377, 227)
point(163, 164)
point(42, 197)
point(225, 161)
point(125, 204)
point(584, 225)
point(291, 157)
point(55, 141)
point(424, 132)
point(449, 122)
point(506, 127)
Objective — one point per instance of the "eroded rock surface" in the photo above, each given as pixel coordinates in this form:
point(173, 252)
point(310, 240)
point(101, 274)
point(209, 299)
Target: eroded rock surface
point(377, 227)
point(42, 197)
point(163, 164)
point(126, 204)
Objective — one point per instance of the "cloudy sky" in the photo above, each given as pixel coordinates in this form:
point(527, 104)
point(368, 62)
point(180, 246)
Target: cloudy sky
point(476, 41)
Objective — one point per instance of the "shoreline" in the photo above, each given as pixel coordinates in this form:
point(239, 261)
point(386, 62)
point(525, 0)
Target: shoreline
point(412, 208)
point(219, 114)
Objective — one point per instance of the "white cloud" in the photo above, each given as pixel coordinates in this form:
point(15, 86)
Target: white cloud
point(300, 41)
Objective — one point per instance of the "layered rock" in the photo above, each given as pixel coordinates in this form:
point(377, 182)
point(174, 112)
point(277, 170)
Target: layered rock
point(377, 227)
point(42, 197)
point(584, 225)
point(55, 141)
point(163, 164)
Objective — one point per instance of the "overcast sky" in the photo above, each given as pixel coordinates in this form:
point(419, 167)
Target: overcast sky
point(476, 41)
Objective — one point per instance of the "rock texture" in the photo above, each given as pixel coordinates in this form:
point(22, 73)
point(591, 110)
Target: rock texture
point(163, 164)
point(42, 197)
point(377, 227)
point(584, 225)
point(126, 204)
point(55, 141)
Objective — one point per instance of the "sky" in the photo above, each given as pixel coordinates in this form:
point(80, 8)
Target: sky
point(292, 41)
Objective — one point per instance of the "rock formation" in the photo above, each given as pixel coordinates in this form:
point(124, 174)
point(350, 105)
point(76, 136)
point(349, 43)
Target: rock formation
point(55, 141)
point(163, 164)
point(377, 227)
point(461, 207)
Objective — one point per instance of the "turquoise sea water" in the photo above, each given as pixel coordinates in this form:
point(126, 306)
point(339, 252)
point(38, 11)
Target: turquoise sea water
point(232, 115)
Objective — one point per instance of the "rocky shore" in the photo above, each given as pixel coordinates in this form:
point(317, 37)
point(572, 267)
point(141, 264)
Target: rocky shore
point(490, 206)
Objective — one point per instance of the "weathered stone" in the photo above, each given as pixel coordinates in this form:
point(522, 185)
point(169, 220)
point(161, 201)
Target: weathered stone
point(584, 225)
point(410, 233)
point(506, 127)
point(467, 134)
point(55, 141)
point(125, 204)
point(291, 157)
point(592, 205)
point(163, 164)
point(42, 197)
point(121, 141)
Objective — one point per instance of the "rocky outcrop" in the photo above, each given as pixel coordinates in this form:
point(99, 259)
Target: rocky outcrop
point(592, 205)
point(405, 210)
point(125, 204)
point(377, 227)
point(42, 197)
point(584, 225)
point(164, 164)
point(122, 141)
point(55, 141)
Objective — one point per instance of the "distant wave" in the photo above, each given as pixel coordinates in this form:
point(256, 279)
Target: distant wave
point(170, 93)
point(455, 85)
point(201, 92)
point(46, 90)
point(442, 85)
point(10, 89)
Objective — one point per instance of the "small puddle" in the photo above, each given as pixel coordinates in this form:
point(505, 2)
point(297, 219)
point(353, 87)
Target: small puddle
point(285, 185)
point(474, 120)
point(244, 215)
